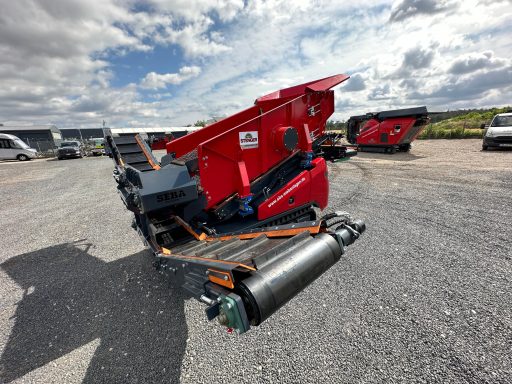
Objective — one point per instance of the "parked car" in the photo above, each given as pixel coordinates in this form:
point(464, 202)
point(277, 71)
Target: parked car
point(12, 147)
point(99, 147)
point(69, 149)
point(499, 132)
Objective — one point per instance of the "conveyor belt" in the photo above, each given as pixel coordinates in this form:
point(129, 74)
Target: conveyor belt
point(131, 153)
point(248, 252)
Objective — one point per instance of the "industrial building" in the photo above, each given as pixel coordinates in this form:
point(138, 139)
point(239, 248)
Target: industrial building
point(81, 133)
point(157, 132)
point(40, 137)
point(47, 137)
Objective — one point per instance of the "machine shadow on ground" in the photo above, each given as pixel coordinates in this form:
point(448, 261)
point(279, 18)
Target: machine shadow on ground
point(72, 298)
point(399, 156)
point(489, 150)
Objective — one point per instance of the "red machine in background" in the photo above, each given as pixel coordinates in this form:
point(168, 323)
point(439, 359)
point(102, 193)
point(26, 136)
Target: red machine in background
point(160, 142)
point(229, 210)
point(387, 131)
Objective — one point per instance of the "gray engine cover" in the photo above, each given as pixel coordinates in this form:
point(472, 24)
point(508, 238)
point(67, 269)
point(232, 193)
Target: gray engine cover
point(166, 187)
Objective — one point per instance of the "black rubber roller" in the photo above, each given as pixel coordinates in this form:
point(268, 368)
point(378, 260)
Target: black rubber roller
point(282, 279)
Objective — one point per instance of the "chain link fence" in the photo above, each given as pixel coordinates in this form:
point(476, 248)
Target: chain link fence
point(45, 148)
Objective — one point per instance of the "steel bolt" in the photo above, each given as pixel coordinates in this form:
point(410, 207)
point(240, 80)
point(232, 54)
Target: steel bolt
point(226, 277)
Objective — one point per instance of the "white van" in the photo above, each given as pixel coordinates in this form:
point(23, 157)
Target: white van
point(12, 147)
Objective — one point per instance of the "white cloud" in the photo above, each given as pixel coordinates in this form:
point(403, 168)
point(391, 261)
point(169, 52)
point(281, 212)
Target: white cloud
point(274, 42)
point(194, 39)
point(404, 9)
point(475, 61)
point(156, 81)
point(191, 10)
point(355, 84)
point(56, 56)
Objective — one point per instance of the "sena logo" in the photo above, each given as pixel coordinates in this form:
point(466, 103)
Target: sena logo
point(172, 195)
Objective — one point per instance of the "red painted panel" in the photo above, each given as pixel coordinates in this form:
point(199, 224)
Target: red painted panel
point(310, 186)
point(218, 156)
point(294, 194)
point(248, 137)
point(319, 183)
point(370, 133)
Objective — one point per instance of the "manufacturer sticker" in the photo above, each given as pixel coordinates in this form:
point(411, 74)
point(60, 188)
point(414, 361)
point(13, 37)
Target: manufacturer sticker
point(248, 139)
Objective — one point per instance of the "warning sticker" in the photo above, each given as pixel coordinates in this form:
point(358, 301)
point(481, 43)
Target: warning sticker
point(248, 139)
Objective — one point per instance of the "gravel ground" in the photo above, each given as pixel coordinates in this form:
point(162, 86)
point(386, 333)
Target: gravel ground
point(425, 296)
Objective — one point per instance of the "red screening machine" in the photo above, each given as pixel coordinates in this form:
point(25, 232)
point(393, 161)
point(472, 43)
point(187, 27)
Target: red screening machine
point(230, 209)
point(387, 131)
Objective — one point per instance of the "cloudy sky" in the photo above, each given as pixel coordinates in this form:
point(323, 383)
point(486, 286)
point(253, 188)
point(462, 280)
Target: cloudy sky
point(172, 62)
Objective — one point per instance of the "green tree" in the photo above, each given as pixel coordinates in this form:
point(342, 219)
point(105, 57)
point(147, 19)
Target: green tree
point(200, 123)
